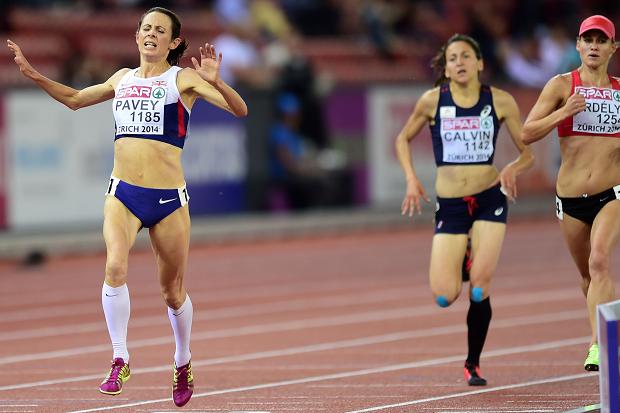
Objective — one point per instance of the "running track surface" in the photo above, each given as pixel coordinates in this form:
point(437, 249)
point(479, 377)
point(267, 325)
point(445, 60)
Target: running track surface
point(340, 324)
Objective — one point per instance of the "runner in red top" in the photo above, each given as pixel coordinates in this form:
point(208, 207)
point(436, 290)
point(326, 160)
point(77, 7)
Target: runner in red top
point(585, 107)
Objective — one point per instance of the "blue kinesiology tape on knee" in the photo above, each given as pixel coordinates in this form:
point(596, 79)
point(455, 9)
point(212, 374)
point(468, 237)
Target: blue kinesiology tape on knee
point(477, 294)
point(442, 301)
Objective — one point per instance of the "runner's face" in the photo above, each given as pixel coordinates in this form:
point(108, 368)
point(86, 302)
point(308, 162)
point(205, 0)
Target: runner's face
point(154, 37)
point(462, 65)
point(595, 48)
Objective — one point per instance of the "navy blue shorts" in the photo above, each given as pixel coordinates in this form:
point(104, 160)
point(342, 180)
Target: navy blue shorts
point(585, 208)
point(149, 205)
point(457, 215)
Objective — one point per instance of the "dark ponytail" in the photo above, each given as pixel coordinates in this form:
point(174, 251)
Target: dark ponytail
point(174, 55)
point(439, 61)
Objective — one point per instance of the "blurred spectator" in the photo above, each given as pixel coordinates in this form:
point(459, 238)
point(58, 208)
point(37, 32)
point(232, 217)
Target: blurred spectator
point(5, 8)
point(81, 71)
point(242, 61)
point(314, 17)
point(307, 177)
point(270, 19)
point(232, 11)
point(295, 75)
point(489, 22)
point(535, 57)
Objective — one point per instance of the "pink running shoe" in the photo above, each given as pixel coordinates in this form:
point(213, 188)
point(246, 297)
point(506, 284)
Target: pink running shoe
point(119, 374)
point(183, 384)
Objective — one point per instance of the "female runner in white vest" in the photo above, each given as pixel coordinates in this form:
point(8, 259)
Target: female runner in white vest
point(585, 107)
point(147, 189)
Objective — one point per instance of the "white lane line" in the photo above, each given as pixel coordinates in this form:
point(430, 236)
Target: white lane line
point(474, 392)
point(385, 369)
point(293, 325)
point(18, 405)
point(279, 327)
point(358, 342)
point(503, 411)
point(273, 292)
point(218, 314)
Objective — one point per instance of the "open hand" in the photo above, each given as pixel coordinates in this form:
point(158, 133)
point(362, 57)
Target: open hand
point(508, 180)
point(24, 66)
point(411, 202)
point(209, 66)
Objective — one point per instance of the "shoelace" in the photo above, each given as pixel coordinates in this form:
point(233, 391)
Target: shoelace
point(183, 376)
point(115, 371)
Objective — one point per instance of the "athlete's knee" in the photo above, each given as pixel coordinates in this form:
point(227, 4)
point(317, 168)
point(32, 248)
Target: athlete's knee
point(598, 262)
point(116, 269)
point(442, 301)
point(173, 295)
point(445, 298)
point(476, 294)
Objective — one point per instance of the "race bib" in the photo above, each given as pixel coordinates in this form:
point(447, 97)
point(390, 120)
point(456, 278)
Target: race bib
point(602, 113)
point(140, 110)
point(467, 139)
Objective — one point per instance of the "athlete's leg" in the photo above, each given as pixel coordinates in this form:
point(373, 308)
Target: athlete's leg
point(120, 228)
point(447, 253)
point(603, 239)
point(487, 240)
point(170, 241)
point(577, 237)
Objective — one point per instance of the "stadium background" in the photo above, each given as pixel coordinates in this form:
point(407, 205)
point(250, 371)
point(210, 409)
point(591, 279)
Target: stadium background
point(363, 64)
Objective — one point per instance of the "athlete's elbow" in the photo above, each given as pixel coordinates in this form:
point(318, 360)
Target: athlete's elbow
point(72, 104)
point(239, 111)
point(242, 113)
point(527, 137)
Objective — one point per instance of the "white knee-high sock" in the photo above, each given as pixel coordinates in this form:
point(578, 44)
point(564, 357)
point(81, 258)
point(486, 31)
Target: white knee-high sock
point(116, 308)
point(181, 321)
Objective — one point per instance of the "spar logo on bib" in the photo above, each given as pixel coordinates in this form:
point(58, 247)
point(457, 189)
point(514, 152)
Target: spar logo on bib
point(143, 92)
point(596, 93)
point(461, 124)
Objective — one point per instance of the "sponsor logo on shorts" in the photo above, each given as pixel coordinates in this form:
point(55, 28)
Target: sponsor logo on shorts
point(499, 211)
point(439, 224)
point(165, 201)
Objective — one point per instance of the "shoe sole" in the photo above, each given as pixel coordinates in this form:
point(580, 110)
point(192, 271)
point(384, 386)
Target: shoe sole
point(591, 367)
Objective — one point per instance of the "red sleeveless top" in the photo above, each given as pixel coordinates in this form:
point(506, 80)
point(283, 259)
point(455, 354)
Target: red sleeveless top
point(602, 114)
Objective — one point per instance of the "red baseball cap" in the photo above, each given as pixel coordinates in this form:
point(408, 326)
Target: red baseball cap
point(598, 22)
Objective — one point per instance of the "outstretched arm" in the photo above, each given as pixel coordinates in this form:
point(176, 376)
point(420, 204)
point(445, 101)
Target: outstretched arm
point(204, 81)
point(68, 96)
point(547, 113)
point(508, 111)
point(421, 114)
